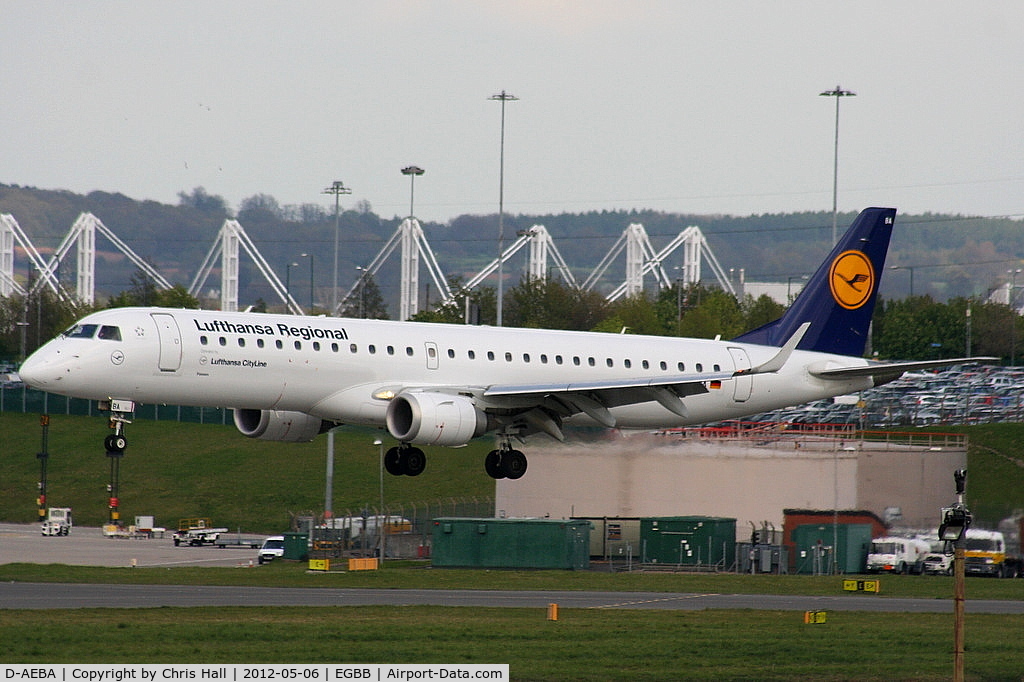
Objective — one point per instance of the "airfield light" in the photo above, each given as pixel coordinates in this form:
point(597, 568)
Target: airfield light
point(412, 172)
point(838, 93)
point(337, 188)
point(501, 97)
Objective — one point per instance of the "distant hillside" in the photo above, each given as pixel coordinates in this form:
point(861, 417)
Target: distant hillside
point(950, 255)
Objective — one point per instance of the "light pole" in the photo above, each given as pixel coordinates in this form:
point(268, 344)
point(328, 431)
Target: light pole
point(381, 525)
point(337, 188)
point(501, 97)
point(288, 284)
point(911, 269)
point(412, 172)
point(310, 257)
point(838, 93)
point(1013, 315)
point(955, 522)
point(363, 272)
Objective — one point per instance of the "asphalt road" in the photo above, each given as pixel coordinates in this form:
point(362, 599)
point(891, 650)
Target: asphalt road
point(88, 547)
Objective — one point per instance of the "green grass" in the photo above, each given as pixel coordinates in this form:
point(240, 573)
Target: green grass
point(178, 470)
point(584, 644)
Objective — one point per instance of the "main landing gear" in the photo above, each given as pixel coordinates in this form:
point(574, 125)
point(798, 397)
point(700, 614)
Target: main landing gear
point(405, 460)
point(505, 462)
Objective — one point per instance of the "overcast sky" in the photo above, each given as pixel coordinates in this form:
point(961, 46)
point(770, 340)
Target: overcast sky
point(708, 107)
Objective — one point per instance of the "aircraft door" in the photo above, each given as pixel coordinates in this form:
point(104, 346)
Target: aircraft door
point(170, 342)
point(432, 355)
point(742, 385)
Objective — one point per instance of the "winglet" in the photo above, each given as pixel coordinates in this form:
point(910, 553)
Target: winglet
point(778, 361)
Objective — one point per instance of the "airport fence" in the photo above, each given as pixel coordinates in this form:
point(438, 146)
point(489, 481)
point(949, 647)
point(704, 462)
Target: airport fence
point(31, 401)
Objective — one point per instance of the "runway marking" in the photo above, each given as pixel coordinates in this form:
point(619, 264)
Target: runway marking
point(639, 602)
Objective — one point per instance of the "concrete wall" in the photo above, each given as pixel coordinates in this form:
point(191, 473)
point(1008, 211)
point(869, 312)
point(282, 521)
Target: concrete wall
point(648, 475)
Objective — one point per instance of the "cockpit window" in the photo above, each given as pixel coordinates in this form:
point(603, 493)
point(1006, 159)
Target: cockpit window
point(82, 331)
point(110, 333)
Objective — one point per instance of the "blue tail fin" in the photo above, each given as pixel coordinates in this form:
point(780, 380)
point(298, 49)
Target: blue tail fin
point(839, 299)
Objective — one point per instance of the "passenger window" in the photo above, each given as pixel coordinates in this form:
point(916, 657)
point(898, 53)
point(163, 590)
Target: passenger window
point(223, 341)
point(526, 357)
point(260, 343)
point(663, 365)
point(316, 345)
point(627, 363)
point(718, 368)
point(490, 355)
point(352, 348)
point(682, 367)
point(279, 343)
point(408, 351)
point(372, 348)
point(508, 357)
point(609, 362)
point(451, 353)
point(203, 341)
point(471, 354)
point(298, 345)
point(558, 359)
point(543, 359)
point(334, 347)
point(700, 367)
point(645, 364)
point(241, 342)
point(590, 361)
point(109, 333)
point(576, 360)
point(391, 350)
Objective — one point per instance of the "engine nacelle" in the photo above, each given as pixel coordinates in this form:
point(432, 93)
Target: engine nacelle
point(292, 427)
point(429, 418)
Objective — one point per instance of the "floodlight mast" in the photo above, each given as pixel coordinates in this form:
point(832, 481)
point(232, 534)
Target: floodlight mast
point(337, 188)
point(501, 97)
point(838, 93)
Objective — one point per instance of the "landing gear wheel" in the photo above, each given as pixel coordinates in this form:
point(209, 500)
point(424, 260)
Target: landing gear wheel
point(513, 464)
point(492, 464)
point(115, 443)
point(393, 461)
point(412, 461)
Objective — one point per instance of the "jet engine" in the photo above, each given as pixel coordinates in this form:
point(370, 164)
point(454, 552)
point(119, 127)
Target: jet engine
point(292, 427)
point(431, 418)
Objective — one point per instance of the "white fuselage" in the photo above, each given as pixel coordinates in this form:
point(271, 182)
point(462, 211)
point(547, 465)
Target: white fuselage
point(341, 369)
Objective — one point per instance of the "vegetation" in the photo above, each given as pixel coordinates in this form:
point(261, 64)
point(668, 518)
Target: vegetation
point(957, 262)
point(594, 644)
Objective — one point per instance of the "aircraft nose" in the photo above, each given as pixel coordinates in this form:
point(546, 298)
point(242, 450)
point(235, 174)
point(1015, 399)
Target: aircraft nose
point(37, 371)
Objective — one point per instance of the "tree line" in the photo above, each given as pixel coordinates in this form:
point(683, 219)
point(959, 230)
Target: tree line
point(911, 328)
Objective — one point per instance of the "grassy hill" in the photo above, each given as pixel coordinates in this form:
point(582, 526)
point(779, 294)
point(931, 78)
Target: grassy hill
point(174, 470)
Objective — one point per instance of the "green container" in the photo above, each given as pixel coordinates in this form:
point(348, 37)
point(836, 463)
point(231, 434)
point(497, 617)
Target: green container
point(813, 542)
point(689, 541)
point(296, 546)
point(510, 543)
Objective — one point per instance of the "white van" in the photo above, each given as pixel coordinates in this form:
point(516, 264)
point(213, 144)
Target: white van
point(272, 548)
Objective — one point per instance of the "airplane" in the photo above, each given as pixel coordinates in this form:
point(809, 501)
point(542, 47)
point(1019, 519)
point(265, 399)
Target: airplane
point(290, 378)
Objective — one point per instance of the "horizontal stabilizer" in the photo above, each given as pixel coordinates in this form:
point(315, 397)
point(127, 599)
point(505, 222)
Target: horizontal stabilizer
point(892, 370)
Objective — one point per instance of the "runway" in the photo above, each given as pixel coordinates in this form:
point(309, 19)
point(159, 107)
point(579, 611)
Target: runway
point(88, 547)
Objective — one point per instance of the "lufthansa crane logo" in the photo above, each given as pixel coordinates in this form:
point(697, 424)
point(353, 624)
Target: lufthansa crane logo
point(851, 279)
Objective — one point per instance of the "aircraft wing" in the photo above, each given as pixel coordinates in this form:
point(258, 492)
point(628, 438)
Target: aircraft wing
point(887, 371)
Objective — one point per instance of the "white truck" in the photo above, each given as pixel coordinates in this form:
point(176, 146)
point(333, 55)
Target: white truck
point(897, 555)
point(58, 521)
